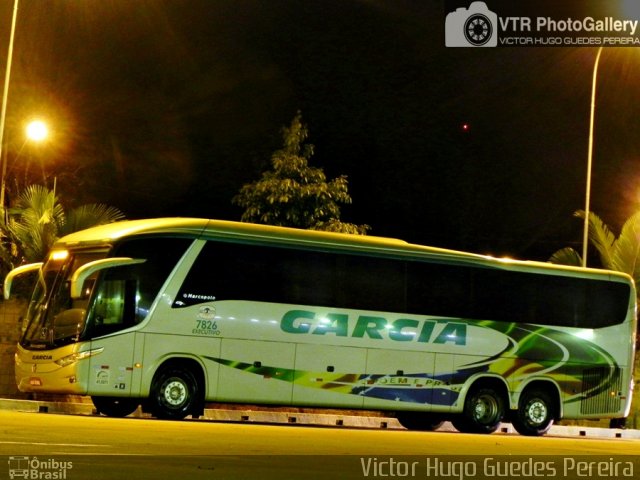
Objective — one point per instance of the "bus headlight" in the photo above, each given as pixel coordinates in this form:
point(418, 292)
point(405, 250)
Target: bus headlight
point(75, 357)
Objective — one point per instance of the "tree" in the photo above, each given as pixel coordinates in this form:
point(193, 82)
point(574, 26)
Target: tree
point(295, 194)
point(621, 254)
point(37, 220)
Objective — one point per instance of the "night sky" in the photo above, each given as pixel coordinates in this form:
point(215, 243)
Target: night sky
point(167, 107)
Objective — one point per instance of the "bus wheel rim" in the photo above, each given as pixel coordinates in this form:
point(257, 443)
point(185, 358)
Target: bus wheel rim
point(485, 409)
point(537, 412)
point(175, 393)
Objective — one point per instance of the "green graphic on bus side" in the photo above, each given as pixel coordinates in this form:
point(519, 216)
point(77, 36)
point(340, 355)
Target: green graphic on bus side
point(542, 352)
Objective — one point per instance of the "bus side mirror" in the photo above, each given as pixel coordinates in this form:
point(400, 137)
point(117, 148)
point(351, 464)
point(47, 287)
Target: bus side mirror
point(14, 273)
point(88, 269)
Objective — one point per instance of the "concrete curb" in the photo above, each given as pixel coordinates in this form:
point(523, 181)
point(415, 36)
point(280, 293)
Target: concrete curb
point(296, 418)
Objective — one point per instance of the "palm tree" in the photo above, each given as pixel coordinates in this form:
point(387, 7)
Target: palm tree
point(621, 254)
point(37, 220)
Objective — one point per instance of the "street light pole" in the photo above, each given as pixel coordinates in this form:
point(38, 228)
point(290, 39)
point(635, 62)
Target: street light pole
point(585, 235)
point(3, 113)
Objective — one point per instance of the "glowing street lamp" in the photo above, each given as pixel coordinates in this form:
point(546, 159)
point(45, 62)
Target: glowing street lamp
point(37, 130)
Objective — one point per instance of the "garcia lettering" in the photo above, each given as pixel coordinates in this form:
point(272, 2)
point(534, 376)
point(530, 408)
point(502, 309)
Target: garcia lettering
point(374, 327)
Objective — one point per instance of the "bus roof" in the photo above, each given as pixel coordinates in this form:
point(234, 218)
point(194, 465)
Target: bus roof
point(223, 229)
point(206, 228)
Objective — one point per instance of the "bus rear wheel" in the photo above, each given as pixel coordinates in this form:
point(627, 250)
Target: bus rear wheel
point(483, 412)
point(426, 422)
point(175, 394)
point(115, 406)
point(535, 413)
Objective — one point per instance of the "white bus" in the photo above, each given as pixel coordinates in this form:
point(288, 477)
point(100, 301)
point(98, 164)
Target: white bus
point(173, 313)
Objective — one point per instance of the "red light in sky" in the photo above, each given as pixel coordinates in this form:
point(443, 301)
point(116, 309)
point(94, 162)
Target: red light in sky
point(465, 127)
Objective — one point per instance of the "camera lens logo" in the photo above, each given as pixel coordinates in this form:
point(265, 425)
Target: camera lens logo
point(471, 27)
point(478, 29)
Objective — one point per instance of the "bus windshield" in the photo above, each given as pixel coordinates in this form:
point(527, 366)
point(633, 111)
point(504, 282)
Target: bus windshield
point(53, 319)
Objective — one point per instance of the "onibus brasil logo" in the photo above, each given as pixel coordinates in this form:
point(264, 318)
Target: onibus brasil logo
point(38, 469)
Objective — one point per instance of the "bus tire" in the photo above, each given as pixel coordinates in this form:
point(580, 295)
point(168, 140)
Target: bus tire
point(115, 406)
point(483, 411)
point(535, 414)
point(175, 393)
point(426, 422)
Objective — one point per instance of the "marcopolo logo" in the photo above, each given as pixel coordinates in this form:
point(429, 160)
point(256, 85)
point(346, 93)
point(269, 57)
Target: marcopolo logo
point(476, 26)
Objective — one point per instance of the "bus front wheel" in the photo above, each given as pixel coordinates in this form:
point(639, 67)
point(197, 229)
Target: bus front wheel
point(535, 413)
point(483, 411)
point(175, 393)
point(115, 406)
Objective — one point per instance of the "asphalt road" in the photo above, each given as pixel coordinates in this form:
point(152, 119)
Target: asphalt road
point(91, 447)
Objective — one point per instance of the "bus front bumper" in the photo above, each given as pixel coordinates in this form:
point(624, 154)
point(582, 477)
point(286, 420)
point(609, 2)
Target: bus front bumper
point(46, 376)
